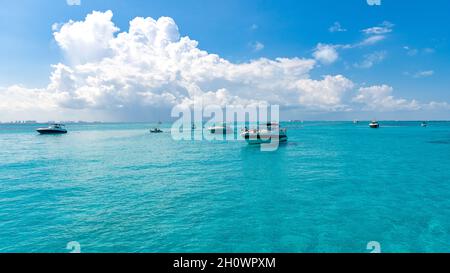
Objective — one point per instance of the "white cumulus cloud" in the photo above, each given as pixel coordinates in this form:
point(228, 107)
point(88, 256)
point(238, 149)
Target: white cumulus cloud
point(150, 65)
point(327, 93)
point(326, 54)
point(88, 40)
point(380, 98)
point(108, 73)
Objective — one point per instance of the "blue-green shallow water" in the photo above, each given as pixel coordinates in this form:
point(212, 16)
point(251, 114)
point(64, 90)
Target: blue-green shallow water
point(332, 188)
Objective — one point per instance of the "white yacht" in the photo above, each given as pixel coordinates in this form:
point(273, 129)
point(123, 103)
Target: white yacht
point(265, 135)
point(374, 124)
point(53, 129)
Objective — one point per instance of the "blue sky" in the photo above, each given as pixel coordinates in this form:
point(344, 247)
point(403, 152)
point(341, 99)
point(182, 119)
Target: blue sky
point(413, 58)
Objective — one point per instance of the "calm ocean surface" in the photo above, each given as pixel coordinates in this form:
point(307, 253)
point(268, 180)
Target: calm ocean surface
point(333, 187)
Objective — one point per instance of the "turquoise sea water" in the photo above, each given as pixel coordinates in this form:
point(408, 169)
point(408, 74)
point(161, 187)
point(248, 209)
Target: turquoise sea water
point(333, 187)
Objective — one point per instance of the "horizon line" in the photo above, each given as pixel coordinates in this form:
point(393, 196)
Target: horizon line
point(29, 122)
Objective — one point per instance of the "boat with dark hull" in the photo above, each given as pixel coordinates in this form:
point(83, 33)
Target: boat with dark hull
point(53, 129)
point(374, 124)
point(156, 131)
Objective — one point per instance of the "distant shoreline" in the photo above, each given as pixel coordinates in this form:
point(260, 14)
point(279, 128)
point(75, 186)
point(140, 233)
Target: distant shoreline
point(144, 122)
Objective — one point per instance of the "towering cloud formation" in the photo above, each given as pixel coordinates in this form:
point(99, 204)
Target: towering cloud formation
point(89, 40)
point(151, 67)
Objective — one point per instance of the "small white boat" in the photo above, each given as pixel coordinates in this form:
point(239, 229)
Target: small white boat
point(265, 135)
point(222, 129)
point(374, 124)
point(53, 129)
point(424, 124)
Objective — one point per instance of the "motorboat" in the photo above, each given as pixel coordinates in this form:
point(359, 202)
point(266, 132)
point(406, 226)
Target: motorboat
point(155, 131)
point(424, 124)
point(221, 129)
point(374, 124)
point(265, 135)
point(53, 129)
